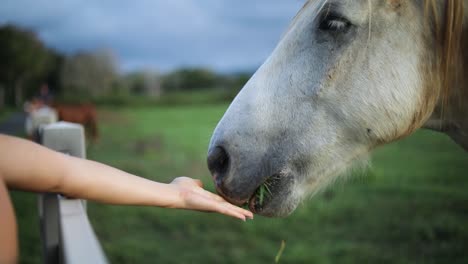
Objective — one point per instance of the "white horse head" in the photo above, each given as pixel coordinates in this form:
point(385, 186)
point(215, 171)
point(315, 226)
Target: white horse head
point(348, 76)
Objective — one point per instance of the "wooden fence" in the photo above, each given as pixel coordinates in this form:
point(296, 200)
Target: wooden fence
point(66, 233)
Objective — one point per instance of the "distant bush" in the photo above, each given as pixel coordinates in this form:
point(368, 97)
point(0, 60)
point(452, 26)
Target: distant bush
point(193, 97)
point(188, 79)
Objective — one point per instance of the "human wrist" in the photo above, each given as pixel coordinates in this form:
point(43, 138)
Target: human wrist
point(168, 196)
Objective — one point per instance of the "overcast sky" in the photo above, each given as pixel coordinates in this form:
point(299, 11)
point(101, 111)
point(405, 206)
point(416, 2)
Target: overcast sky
point(225, 35)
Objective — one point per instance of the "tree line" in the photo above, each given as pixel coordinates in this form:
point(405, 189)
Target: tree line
point(26, 63)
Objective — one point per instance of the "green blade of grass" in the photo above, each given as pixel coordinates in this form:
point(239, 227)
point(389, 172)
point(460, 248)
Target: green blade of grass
point(262, 194)
point(262, 191)
point(267, 189)
point(280, 252)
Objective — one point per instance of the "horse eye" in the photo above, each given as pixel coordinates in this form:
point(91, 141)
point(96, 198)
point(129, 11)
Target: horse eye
point(334, 23)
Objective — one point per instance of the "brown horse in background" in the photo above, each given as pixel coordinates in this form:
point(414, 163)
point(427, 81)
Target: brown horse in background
point(84, 114)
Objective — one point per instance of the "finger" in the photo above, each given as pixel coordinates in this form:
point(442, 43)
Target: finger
point(205, 204)
point(240, 210)
point(234, 207)
point(229, 205)
point(210, 195)
point(218, 198)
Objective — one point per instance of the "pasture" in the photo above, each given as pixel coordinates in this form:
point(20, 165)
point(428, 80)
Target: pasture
point(410, 207)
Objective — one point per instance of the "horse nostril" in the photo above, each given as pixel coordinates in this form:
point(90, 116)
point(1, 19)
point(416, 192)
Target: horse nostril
point(218, 162)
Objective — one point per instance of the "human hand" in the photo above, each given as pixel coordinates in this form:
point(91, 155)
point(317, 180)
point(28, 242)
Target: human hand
point(194, 197)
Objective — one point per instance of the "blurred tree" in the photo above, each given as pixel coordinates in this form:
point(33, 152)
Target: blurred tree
point(23, 60)
point(89, 74)
point(53, 77)
point(189, 79)
point(145, 83)
point(198, 78)
point(235, 81)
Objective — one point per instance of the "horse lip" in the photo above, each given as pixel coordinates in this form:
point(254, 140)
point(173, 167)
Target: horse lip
point(238, 202)
point(250, 201)
point(251, 204)
point(234, 201)
point(229, 198)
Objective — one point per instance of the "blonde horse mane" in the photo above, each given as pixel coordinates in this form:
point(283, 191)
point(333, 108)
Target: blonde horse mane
point(448, 29)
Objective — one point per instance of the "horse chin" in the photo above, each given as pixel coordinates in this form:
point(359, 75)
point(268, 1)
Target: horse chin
point(276, 199)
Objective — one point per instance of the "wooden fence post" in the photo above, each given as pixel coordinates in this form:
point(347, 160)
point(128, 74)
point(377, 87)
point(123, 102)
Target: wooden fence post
point(67, 235)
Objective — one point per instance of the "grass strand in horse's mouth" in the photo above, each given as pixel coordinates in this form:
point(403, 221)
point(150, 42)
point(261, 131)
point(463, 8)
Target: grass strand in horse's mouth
point(264, 193)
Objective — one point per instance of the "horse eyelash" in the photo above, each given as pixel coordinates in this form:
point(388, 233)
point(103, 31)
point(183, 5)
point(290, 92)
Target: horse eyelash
point(331, 22)
point(337, 24)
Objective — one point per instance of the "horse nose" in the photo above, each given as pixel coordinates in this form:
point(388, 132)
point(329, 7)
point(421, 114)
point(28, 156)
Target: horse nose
point(218, 163)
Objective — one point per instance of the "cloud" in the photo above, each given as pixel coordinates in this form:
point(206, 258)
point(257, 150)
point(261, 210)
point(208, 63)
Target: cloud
point(221, 34)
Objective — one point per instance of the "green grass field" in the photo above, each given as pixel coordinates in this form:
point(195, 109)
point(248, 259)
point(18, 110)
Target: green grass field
point(410, 207)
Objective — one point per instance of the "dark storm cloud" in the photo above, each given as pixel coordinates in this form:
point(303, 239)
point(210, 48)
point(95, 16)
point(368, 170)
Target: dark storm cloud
point(221, 34)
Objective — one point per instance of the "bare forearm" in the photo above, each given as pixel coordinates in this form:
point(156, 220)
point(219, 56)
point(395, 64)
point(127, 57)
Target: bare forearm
point(29, 166)
point(95, 181)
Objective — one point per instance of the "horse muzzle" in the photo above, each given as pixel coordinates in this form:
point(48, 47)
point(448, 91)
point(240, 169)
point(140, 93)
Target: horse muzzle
point(256, 182)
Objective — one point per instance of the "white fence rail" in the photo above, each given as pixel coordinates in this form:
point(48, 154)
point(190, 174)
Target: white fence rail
point(66, 233)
